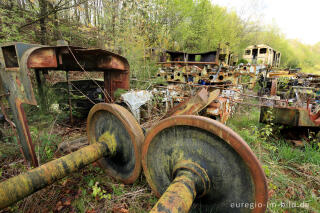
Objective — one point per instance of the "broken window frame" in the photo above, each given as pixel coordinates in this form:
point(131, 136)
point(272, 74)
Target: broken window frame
point(263, 51)
point(247, 52)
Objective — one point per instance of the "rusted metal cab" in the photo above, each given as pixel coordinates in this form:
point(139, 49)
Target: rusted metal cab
point(18, 60)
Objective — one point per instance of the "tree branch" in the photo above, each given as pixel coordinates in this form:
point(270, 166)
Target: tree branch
point(54, 10)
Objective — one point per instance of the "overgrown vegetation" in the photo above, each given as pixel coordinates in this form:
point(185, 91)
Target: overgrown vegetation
point(293, 173)
point(132, 28)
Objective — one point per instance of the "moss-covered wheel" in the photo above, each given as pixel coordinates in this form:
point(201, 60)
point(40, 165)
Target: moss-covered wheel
point(197, 161)
point(115, 123)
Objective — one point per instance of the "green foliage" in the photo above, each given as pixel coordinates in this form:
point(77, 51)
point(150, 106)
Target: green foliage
point(100, 193)
point(119, 92)
point(47, 146)
point(243, 61)
point(292, 172)
point(267, 136)
point(82, 203)
point(10, 21)
point(117, 190)
point(266, 170)
point(131, 28)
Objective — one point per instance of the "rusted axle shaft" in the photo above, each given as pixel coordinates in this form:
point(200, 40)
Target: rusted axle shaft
point(196, 163)
point(178, 198)
point(190, 181)
point(21, 186)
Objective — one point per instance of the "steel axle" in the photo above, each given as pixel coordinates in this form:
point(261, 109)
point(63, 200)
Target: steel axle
point(115, 139)
point(197, 164)
point(16, 188)
point(190, 181)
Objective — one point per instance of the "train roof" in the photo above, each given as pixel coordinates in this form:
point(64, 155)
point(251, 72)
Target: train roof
point(260, 46)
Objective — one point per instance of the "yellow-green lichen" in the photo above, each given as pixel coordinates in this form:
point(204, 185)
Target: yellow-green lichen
point(110, 140)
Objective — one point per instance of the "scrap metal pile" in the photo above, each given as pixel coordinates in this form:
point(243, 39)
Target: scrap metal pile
point(190, 162)
point(293, 98)
point(208, 84)
point(209, 87)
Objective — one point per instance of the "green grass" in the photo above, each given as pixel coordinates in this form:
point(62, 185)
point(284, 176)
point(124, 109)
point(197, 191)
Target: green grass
point(293, 173)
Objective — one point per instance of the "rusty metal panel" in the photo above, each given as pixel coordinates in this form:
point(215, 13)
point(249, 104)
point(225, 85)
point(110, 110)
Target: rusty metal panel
point(43, 58)
point(287, 116)
point(274, 87)
point(111, 63)
point(92, 59)
point(19, 59)
point(305, 119)
point(194, 104)
point(17, 83)
point(280, 115)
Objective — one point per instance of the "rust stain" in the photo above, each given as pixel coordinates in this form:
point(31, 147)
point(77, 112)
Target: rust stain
point(43, 58)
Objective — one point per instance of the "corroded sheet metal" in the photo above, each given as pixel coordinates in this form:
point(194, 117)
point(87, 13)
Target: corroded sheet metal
point(220, 109)
point(195, 104)
point(288, 116)
point(17, 83)
point(17, 60)
point(273, 91)
point(43, 58)
point(234, 170)
point(192, 105)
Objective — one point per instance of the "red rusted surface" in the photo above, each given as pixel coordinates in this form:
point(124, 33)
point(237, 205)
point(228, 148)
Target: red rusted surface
point(114, 63)
point(195, 104)
point(221, 108)
point(113, 81)
point(23, 118)
point(315, 117)
point(59, 58)
point(43, 58)
point(192, 105)
point(274, 87)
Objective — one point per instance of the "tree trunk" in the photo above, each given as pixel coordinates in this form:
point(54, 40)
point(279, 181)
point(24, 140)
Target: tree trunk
point(55, 21)
point(87, 13)
point(43, 27)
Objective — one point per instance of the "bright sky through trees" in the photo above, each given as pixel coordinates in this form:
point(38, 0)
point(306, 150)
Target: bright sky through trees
point(297, 19)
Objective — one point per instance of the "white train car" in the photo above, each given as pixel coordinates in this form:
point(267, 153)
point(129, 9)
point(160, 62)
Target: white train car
point(262, 54)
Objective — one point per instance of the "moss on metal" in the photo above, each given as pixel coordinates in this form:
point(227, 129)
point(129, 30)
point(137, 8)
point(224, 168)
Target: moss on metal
point(23, 185)
point(178, 197)
point(110, 140)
